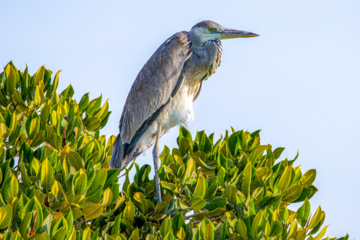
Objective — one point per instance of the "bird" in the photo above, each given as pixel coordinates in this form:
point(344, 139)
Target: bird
point(164, 90)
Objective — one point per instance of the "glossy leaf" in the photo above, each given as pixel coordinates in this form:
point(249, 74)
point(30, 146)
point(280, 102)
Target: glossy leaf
point(285, 179)
point(47, 175)
point(197, 203)
point(308, 178)
point(245, 186)
point(303, 213)
point(201, 187)
point(108, 197)
point(5, 216)
point(92, 211)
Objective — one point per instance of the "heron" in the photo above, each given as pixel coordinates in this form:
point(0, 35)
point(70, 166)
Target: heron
point(163, 92)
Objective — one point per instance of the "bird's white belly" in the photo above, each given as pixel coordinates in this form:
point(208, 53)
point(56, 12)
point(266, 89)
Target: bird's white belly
point(178, 111)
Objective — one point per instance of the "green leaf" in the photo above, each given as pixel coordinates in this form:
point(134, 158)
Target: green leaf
point(221, 176)
point(6, 190)
point(207, 230)
point(92, 123)
point(47, 175)
point(233, 144)
point(17, 98)
point(256, 223)
point(303, 213)
point(241, 228)
point(168, 186)
point(148, 206)
point(38, 139)
point(201, 187)
point(292, 193)
point(55, 140)
point(181, 233)
point(117, 224)
point(59, 233)
point(80, 184)
point(56, 188)
point(14, 186)
point(218, 202)
point(245, 186)
point(177, 222)
point(322, 233)
point(308, 178)
point(211, 191)
point(135, 234)
point(75, 160)
point(112, 176)
point(67, 93)
point(3, 131)
point(25, 225)
point(39, 214)
point(268, 201)
point(315, 219)
point(32, 126)
point(108, 197)
point(39, 75)
point(190, 169)
point(53, 86)
point(5, 216)
point(230, 193)
point(184, 146)
point(183, 132)
point(285, 179)
point(103, 111)
point(278, 151)
point(166, 226)
point(10, 74)
point(129, 212)
point(292, 230)
point(92, 211)
point(206, 168)
point(197, 203)
point(276, 228)
point(84, 102)
point(16, 236)
point(39, 96)
point(307, 192)
point(94, 106)
point(160, 208)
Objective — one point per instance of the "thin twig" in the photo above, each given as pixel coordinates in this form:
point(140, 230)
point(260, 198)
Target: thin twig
point(81, 222)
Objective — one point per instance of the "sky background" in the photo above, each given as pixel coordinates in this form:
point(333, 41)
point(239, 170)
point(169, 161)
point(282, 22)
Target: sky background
point(298, 82)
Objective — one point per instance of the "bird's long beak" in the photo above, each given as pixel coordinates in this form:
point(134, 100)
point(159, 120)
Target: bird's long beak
point(231, 33)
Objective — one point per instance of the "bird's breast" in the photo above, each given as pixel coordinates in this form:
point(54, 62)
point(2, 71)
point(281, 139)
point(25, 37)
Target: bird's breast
point(204, 61)
point(179, 109)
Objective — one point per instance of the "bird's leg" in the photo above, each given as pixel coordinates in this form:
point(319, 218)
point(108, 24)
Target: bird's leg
point(156, 158)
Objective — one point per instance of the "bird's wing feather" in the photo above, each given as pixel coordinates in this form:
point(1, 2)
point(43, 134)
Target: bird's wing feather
point(155, 84)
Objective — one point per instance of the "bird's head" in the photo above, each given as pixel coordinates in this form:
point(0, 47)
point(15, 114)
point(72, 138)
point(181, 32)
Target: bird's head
point(207, 30)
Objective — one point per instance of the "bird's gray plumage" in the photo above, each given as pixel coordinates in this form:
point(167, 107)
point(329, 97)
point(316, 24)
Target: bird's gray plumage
point(172, 76)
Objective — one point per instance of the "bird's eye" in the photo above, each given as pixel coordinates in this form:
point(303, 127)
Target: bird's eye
point(211, 29)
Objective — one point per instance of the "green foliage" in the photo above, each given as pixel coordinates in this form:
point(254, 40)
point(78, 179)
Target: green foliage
point(56, 182)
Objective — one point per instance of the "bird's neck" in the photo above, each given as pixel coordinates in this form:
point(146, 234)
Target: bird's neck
point(199, 40)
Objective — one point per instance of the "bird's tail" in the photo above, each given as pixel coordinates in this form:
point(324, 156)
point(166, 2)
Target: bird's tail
point(117, 154)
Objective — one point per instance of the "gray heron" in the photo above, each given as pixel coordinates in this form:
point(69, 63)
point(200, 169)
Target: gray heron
point(163, 92)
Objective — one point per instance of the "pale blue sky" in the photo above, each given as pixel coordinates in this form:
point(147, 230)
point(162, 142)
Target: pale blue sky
point(298, 82)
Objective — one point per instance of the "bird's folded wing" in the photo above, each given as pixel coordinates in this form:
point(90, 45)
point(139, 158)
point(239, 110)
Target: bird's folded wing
point(154, 85)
